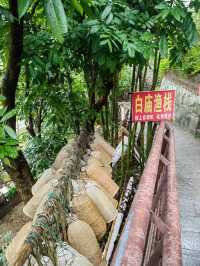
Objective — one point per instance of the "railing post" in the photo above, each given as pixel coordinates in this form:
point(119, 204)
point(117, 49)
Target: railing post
point(172, 239)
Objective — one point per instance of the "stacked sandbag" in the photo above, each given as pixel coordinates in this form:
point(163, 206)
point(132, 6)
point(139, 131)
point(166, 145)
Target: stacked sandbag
point(101, 156)
point(86, 211)
point(102, 201)
point(13, 250)
point(98, 165)
point(32, 205)
point(92, 202)
point(94, 208)
point(66, 255)
point(43, 179)
point(68, 152)
point(93, 160)
point(83, 176)
point(100, 144)
point(103, 177)
point(82, 238)
point(100, 153)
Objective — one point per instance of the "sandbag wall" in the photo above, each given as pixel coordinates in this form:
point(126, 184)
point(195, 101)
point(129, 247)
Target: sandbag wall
point(72, 204)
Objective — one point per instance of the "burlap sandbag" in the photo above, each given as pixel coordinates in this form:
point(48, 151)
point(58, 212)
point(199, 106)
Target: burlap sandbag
point(64, 154)
point(101, 176)
point(98, 148)
point(82, 238)
point(31, 206)
point(93, 160)
point(13, 250)
point(114, 201)
point(105, 145)
point(101, 156)
point(44, 178)
point(102, 202)
point(66, 256)
point(86, 211)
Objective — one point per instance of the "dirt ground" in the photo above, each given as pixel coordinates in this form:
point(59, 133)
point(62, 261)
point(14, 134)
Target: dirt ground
point(12, 222)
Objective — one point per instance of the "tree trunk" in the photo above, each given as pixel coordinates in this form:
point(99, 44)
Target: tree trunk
point(18, 169)
point(109, 82)
point(21, 175)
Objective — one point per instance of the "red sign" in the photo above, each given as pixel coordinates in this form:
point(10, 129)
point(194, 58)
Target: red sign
point(153, 105)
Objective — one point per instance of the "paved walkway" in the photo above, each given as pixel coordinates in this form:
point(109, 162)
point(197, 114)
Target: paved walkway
point(188, 178)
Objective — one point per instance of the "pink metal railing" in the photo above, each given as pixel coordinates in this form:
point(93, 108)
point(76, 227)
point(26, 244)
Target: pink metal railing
point(151, 235)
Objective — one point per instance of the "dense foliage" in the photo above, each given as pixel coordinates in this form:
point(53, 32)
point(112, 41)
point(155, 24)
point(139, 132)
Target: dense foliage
point(190, 62)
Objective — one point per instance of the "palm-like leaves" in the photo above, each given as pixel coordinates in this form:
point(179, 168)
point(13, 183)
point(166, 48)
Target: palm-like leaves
point(23, 6)
point(56, 17)
point(55, 14)
point(54, 9)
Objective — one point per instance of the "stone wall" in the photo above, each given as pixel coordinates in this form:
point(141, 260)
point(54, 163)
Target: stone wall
point(187, 108)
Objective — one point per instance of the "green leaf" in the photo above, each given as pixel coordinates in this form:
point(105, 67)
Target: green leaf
point(106, 12)
point(2, 133)
point(10, 132)
point(2, 111)
point(8, 115)
point(12, 142)
point(52, 19)
point(77, 6)
point(2, 98)
point(177, 13)
point(109, 18)
point(94, 29)
point(10, 152)
point(161, 6)
point(164, 13)
point(163, 46)
point(131, 50)
point(7, 161)
point(191, 32)
point(61, 15)
point(56, 17)
point(87, 4)
point(104, 42)
point(23, 6)
point(2, 152)
point(109, 46)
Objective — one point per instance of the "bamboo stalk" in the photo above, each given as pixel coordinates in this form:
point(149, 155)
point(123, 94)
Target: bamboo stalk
point(133, 78)
point(107, 122)
point(103, 124)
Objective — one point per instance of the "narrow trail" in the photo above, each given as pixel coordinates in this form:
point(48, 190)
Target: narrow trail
point(188, 179)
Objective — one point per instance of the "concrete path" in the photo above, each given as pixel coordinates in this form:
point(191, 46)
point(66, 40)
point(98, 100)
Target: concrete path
point(188, 178)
